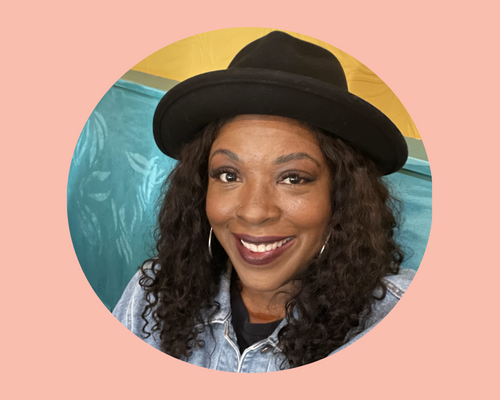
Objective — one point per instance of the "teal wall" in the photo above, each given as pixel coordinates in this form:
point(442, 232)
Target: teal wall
point(114, 181)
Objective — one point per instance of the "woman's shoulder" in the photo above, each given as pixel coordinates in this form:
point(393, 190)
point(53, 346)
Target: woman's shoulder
point(129, 308)
point(396, 287)
point(398, 284)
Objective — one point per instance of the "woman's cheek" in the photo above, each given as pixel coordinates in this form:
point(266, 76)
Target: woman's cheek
point(310, 211)
point(219, 207)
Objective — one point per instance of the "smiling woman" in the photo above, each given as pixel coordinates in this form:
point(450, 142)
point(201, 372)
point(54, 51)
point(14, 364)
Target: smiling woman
point(269, 187)
point(275, 239)
point(268, 204)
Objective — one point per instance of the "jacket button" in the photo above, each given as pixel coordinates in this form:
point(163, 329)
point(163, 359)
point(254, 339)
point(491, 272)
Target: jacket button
point(264, 350)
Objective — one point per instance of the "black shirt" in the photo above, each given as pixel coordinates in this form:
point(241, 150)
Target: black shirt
point(247, 333)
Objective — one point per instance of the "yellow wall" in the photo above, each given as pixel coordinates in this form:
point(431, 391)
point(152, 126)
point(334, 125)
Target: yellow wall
point(214, 50)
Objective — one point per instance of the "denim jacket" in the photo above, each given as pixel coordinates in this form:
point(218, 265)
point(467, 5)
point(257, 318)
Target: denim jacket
point(221, 351)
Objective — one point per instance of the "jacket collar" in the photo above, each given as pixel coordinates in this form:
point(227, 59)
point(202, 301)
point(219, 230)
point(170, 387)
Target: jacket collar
point(224, 299)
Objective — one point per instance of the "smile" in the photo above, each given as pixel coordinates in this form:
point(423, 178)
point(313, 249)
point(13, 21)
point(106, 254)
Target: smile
point(262, 250)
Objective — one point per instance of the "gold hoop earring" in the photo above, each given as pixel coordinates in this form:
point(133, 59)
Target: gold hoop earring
point(323, 248)
point(210, 243)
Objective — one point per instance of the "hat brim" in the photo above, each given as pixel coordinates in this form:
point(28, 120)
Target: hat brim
point(192, 104)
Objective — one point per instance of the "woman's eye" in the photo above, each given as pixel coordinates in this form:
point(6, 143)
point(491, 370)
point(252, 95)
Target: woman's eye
point(293, 180)
point(227, 177)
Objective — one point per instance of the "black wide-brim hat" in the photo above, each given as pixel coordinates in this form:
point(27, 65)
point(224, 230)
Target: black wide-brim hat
point(280, 75)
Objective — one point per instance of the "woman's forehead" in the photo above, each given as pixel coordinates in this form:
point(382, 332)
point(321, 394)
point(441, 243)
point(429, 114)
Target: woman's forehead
point(263, 134)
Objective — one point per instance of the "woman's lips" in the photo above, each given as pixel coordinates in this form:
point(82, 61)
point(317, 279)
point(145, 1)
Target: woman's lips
point(267, 256)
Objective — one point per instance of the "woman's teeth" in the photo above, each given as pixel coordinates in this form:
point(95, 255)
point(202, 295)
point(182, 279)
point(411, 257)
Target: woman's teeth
point(261, 248)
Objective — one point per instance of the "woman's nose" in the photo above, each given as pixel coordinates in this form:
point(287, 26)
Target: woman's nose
point(257, 204)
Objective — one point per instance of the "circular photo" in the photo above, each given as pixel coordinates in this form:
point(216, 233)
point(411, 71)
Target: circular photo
point(249, 200)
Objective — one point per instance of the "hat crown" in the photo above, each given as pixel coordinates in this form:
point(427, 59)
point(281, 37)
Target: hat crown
point(279, 51)
point(284, 76)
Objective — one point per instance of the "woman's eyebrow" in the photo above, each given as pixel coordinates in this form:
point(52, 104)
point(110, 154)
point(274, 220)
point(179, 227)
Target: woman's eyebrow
point(228, 153)
point(295, 156)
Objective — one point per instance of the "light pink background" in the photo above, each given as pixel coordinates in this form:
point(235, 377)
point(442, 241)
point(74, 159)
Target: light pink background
point(60, 57)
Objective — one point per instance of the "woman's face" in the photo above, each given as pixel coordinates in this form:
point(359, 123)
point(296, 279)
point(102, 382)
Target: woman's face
point(268, 198)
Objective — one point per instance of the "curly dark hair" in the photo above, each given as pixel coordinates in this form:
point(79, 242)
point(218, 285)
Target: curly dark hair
point(336, 290)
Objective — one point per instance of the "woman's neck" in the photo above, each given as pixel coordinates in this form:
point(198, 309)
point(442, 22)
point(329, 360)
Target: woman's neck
point(264, 307)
